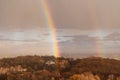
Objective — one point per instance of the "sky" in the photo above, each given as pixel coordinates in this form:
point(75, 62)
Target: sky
point(83, 27)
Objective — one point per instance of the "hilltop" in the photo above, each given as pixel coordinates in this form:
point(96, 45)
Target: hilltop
point(65, 67)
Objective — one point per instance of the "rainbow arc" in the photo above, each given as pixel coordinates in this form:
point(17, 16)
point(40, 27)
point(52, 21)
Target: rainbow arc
point(95, 20)
point(52, 28)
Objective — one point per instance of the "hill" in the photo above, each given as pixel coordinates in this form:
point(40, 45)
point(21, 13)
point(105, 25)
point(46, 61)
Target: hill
point(65, 67)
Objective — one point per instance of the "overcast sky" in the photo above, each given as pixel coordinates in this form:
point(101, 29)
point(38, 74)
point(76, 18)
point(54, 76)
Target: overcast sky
point(82, 14)
point(24, 20)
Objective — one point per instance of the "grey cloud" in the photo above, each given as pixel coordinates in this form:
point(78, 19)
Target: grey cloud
point(81, 40)
point(115, 36)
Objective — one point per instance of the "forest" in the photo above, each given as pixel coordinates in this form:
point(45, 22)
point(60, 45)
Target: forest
point(60, 68)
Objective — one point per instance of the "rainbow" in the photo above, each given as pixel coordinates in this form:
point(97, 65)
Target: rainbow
point(95, 22)
point(51, 25)
point(96, 26)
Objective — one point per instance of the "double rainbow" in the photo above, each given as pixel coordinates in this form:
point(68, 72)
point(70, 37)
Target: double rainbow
point(95, 22)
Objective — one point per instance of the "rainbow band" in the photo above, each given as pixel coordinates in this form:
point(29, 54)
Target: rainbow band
point(96, 22)
point(51, 25)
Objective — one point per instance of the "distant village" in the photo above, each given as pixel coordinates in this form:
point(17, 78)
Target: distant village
point(12, 69)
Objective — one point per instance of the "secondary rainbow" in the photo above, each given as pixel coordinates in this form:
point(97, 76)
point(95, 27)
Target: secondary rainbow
point(96, 23)
point(52, 28)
